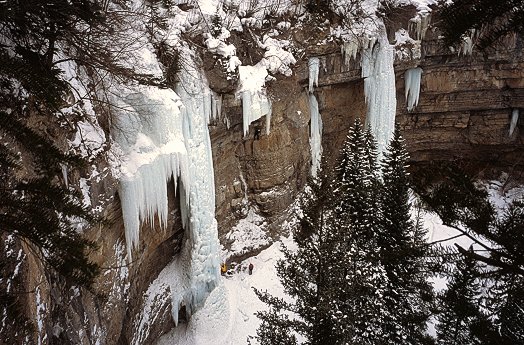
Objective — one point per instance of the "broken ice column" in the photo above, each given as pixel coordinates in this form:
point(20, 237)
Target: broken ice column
point(315, 135)
point(412, 86)
point(379, 89)
point(255, 102)
point(314, 65)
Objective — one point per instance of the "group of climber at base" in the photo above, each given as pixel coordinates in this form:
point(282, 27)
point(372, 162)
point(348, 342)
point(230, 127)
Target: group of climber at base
point(225, 271)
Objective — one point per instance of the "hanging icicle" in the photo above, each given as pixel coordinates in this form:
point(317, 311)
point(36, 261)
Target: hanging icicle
point(315, 135)
point(514, 120)
point(255, 102)
point(412, 86)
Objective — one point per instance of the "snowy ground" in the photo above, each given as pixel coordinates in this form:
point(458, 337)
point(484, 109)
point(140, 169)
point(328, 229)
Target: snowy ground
point(228, 317)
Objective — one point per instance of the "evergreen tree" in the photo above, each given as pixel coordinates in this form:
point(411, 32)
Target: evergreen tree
point(509, 309)
point(307, 275)
point(506, 300)
point(358, 275)
point(491, 19)
point(362, 295)
point(465, 207)
point(460, 316)
point(403, 251)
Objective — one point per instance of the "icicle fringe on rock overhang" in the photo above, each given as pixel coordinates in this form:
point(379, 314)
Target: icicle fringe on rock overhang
point(255, 102)
point(418, 25)
point(148, 130)
point(466, 46)
point(379, 89)
point(349, 51)
point(412, 86)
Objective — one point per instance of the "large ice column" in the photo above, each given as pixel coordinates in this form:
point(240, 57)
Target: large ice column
point(513, 123)
point(203, 272)
point(379, 89)
point(148, 130)
point(412, 86)
point(315, 137)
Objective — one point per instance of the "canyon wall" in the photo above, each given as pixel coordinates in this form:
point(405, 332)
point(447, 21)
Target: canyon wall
point(464, 112)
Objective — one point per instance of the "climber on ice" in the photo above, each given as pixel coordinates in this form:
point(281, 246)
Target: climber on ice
point(250, 268)
point(257, 133)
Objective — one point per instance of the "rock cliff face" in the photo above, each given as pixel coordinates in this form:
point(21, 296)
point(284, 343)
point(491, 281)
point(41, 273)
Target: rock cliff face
point(465, 107)
point(464, 113)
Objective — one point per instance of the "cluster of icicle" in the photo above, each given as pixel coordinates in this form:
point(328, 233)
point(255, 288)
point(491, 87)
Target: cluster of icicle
point(419, 25)
point(315, 135)
point(255, 104)
point(164, 136)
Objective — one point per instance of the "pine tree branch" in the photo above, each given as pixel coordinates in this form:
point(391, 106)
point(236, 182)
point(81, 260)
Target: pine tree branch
point(490, 261)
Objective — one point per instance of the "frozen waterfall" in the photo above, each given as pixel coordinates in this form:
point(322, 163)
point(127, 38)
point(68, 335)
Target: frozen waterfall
point(412, 86)
point(163, 135)
point(379, 89)
point(197, 110)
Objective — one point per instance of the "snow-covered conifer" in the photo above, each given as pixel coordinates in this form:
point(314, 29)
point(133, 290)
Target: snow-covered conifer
point(363, 306)
point(460, 313)
point(308, 276)
point(403, 251)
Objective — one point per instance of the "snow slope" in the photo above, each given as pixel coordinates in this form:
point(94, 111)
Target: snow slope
point(228, 314)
